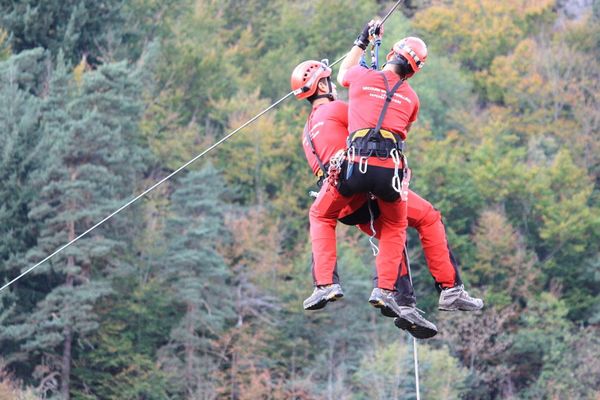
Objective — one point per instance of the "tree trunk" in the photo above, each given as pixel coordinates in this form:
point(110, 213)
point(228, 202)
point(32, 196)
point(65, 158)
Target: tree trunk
point(189, 350)
point(66, 364)
point(233, 375)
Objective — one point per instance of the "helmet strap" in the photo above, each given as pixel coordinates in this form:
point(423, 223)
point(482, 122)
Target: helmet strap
point(325, 95)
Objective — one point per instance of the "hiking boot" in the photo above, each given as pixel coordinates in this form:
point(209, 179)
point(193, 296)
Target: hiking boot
point(323, 294)
point(415, 324)
point(407, 316)
point(457, 299)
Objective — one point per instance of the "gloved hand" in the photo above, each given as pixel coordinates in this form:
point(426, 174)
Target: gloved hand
point(362, 40)
point(376, 29)
point(372, 27)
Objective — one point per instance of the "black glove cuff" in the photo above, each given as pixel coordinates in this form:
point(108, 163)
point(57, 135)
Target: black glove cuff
point(360, 43)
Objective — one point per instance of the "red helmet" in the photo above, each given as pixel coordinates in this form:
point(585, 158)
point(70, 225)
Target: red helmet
point(306, 76)
point(413, 49)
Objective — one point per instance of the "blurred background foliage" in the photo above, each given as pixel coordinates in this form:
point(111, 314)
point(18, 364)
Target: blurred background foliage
point(195, 292)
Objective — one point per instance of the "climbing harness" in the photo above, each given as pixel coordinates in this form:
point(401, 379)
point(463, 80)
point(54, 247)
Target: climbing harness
point(377, 141)
point(382, 144)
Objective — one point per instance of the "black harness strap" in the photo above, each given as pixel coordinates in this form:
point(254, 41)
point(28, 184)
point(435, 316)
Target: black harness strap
point(389, 95)
point(314, 151)
point(374, 142)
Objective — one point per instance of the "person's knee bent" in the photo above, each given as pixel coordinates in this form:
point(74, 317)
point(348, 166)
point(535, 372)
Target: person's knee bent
point(431, 217)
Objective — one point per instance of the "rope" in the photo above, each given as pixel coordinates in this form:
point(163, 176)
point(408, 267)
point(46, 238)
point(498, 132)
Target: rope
point(145, 192)
point(415, 353)
point(160, 182)
point(374, 247)
point(416, 358)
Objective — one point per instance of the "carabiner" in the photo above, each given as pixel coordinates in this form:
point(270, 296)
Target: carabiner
point(363, 164)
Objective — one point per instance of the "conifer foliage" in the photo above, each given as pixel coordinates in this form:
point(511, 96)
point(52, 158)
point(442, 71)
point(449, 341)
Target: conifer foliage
point(195, 292)
point(197, 278)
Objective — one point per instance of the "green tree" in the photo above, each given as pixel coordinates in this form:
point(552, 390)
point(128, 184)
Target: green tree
point(197, 277)
point(475, 32)
point(554, 354)
point(87, 164)
point(76, 27)
point(389, 373)
point(118, 360)
point(19, 123)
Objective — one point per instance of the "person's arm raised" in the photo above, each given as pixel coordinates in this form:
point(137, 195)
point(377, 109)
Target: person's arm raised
point(360, 45)
point(352, 59)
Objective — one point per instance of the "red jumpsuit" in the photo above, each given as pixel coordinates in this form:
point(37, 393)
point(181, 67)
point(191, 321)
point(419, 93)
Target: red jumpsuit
point(367, 93)
point(328, 130)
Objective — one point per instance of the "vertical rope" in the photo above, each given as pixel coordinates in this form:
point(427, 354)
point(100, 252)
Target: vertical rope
point(416, 358)
point(415, 352)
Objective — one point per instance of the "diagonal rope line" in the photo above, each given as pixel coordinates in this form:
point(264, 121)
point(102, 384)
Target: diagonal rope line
point(148, 190)
point(166, 178)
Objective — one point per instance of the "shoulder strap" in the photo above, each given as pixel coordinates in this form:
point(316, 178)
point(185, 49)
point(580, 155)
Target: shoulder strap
point(312, 147)
point(388, 99)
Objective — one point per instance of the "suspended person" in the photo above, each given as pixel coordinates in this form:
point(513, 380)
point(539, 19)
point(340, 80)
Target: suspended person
point(376, 141)
point(324, 135)
point(343, 187)
point(369, 92)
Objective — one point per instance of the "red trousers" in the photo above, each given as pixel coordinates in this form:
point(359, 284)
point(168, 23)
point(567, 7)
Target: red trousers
point(421, 215)
point(392, 224)
point(428, 222)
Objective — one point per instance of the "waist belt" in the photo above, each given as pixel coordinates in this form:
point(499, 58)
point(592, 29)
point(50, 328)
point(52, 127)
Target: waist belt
point(368, 142)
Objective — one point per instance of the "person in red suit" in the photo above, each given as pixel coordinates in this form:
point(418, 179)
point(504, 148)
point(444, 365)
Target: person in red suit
point(325, 134)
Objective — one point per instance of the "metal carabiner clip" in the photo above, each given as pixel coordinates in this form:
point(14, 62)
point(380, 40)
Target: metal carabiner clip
point(363, 164)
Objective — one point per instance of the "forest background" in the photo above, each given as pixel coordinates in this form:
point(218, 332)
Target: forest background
point(195, 292)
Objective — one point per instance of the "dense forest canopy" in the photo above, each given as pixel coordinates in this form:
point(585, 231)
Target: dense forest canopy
point(195, 291)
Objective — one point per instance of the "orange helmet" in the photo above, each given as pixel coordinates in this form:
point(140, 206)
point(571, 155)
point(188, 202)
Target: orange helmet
point(306, 76)
point(413, 49)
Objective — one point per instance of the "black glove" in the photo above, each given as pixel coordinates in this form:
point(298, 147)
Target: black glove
point(362, 40)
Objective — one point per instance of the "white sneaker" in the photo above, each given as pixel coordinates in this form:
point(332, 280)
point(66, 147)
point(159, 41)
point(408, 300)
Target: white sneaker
point(322, 295)
point(457, 299)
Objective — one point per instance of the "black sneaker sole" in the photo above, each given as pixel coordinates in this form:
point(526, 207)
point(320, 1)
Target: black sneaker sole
point(448, 309)
point(420, 332)
point(385, 310)
point(323, 302)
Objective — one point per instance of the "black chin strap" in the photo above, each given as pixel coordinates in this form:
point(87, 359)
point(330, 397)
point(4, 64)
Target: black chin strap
point(324, 96)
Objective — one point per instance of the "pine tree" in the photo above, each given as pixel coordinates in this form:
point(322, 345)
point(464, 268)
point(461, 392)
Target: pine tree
point(91, 156)
point(19, 132)
point(20, 112)
point(197, 278)
point(73, 26)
